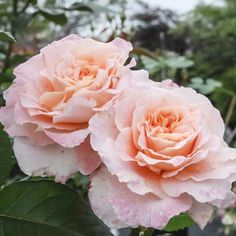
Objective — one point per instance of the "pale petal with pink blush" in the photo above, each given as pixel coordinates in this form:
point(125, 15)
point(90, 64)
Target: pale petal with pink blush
point(10, 94)
point(203, 192)
point(168, 84)
point(133, 78)
point(68, 139)
point(51, 160)
point(123, 45)
point(55, 160)
point(87, 158)
point(201, 213)
point(99, 193)
point(30, 131)
point(129, 207)
point(101, 126)
point(6, 116)
point(123, 110)
point(125, 144)
point(228, 202)
point(30, 70)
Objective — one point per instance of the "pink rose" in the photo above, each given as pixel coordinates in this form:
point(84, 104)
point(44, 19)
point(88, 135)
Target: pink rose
point(163, 153)
point(53, 97)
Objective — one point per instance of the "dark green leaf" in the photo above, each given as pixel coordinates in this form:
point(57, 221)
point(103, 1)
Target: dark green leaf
point(57, 18)
point(6, 156)
point(6, 36)
point(45, 208)
point(179, 222)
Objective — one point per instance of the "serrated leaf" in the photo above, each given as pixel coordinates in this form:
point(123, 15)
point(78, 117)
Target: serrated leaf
point(179, 222)
point(6, 156)
point(45, 208)
point(57, 18)
point(6, 36)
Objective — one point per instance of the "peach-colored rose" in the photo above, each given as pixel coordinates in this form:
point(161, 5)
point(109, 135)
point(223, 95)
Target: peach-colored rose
point(54, 96)
point(163, 153)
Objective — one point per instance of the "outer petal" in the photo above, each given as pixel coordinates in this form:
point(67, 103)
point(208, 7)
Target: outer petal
point(87, 158)
point(201, 213)
point(69, 139)
point(205, 191)
point(99, 193)
point(133, 209)
point(52, 160)
point(101, 127)
point(220, 165)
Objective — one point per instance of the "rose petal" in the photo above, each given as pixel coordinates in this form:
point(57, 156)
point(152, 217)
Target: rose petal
point(99, 199)
point(201, 213)
point(87, 158)
point(51, 160)
point(139, 179)
point(68, 139)
point(101, 126)
point(130, 207)
point(204, 191)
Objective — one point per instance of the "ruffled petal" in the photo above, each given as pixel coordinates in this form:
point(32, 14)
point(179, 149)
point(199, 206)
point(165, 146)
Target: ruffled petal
point(51, 160)
point(133, 209)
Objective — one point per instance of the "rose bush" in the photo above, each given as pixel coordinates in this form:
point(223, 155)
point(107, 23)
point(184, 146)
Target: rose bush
point(163, 153)
point(53, 97)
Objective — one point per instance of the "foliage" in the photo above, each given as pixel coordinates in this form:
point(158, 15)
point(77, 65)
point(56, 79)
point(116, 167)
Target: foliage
point(46, 208)
point(179, 222)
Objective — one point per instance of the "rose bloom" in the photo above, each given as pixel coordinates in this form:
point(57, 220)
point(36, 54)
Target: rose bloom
point(163, 153)
point(53, 97)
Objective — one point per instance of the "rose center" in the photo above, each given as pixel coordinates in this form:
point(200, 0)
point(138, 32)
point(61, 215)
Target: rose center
point(162, 121)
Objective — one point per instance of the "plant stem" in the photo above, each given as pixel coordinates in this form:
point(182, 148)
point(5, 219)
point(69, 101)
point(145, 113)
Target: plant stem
point(10, 44)
point(230, 111)
point(25, 7)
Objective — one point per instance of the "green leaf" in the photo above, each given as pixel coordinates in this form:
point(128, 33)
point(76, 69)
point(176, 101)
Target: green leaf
point(179, 62)
point(57, 18)
point(79, 7)
point(179, 222)
point(206, 87)
point(6, 156)
point(45, 208)
point(6, 36)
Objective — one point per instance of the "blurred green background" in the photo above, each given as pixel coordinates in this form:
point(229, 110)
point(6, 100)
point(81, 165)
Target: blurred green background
point(196, 48)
